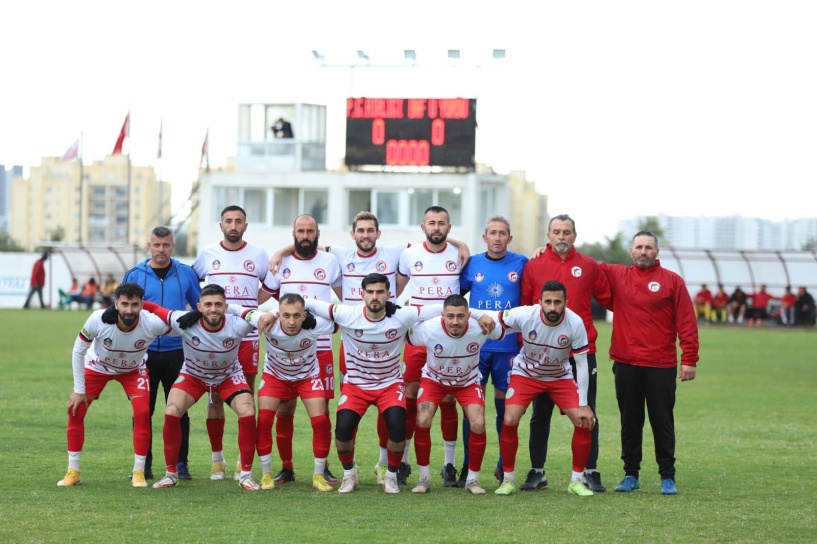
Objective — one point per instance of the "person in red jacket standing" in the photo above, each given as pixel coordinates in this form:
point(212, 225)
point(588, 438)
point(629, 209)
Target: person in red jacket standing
point(652, 308)
point(560, 261)
point(37, 280)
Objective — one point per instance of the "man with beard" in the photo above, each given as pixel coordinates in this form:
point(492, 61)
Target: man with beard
point(428, 273)
point(237, 267)
point(311, 274)
point(652, 308)
point(116, 351)
point(551, 335)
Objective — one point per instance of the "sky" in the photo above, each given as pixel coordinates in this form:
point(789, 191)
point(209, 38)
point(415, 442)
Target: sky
point(615, 109)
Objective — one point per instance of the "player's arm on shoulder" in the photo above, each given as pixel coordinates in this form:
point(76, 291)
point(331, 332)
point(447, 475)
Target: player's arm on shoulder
point(421, 313)
point(321, 308)
point(278, 257)
point(463, 253)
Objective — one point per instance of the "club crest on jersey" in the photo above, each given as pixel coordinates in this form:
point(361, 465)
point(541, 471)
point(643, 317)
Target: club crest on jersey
point(306, 342)
point(380, 266)
point(249, 266)
point(140, 344)
point(654, 286)
point(532, 335)
point(216, 264)
point(479, 277)
point(255, 346)
point(273, 341)
point(418, 266)
point(513, 277)
point(329, 370)
point(438, 349)
point(451, 266)
point(350, 267)
point(228, 343)
point(143, 372)
point(563, 341)
point(391, 334)
point(195, 340)
point(342, 399)
point(286, 273)
point(358, 332)
point(106, 342)
point(473, 347)
point(576, 271)
point(320, 274)
point(509, 393)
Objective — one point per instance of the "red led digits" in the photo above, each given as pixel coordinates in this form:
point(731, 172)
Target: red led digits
point(438, 132)
point(378, 131)
point(407, 153)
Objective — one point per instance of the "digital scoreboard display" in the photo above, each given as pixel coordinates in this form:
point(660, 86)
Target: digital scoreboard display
point(411, 131)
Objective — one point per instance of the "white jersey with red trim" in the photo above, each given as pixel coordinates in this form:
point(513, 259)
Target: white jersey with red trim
point(292, 358)
point(311, 278)
point(238, 271)
point(546, 349)
point(372, 348)
point(107, 349)
point(432, 276)
point(451, 361)
point(212, 356)
point(354, 267)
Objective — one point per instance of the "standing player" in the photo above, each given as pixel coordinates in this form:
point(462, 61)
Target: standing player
point(427, 274)
point(494, 280)
point(311, 274)
point(550, 333)
point(582, 277)
point(237, 267)
point(211, 346)
point(453, 344)
point(117, 352)
point(173, 285)
point(291, 371)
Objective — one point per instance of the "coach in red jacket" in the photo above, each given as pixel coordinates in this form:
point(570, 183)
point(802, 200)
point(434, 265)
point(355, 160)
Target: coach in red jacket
point(652, 308)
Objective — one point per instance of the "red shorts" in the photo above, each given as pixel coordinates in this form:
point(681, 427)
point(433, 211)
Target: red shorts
point(135, 383)
point(289, 389)
point(342, 359)
point(522, 390)
point(358, 400)
point(431, 391)
point(414, 358)
point(194, 387)
point(248, 357)
point(326, 362)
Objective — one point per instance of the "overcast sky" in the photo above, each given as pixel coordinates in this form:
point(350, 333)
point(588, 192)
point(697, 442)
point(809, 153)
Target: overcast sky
point(615, 109)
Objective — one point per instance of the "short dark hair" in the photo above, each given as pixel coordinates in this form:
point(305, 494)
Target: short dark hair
point(292, 298)
point(646, 233)
point(554, 285)
point(233, 209)
point(455, 300)
point(212, 289)
point(129, 290)
point(374, 277)
point(162, 232)
point(437, 209)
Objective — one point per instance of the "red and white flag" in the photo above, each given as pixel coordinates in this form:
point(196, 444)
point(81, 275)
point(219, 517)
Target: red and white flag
point(71, 153)
point(159, 152)
point(123, 133)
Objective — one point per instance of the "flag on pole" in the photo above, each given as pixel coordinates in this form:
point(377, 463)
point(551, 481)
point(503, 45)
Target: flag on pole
point(123, 133)
point(159, 152)
point(205, 151)
point(71, 153)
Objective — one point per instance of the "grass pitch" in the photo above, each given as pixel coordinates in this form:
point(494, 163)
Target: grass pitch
point(746, 450)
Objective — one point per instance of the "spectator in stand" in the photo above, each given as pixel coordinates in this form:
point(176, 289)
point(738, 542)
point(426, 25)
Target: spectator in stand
point(804, 314)
point(703, 303)
point(738, 303)
point(106, 291)
point(720, 304)
point(760, 303)
point(83, 295)
point(787, 307)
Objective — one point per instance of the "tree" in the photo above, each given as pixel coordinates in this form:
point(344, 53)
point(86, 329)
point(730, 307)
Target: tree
point(652, 224)
point(810, 244)
point(614, 250)
point(58, 234)
point(8, 244)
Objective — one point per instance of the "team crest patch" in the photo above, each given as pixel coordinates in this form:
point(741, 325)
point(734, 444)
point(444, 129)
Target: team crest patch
point(479, 277)
point(286, 273)
point(306, 342)
point(140, 344)
point(180, 379)
point(438, 349)
point(260, 387)
point(418, 266)
point(563, 341)
point(255, 345)
point(329, 370)
point(358, 332)
point(195, 340)
point(473, 347)
point(419, 392)
point(342, 399)
point(513, 277)
point(273, 341)
point(532, 335)
point(143, 372)
point(350, 267)
point(216, 264)
point(509, 393)
point(451, 266)
point(228, 343)
point(391, 334)
point(654, 286)
point(320, 274)
point(249, 266)
point(380, 266)
point(576, 271)
point(106, 342)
